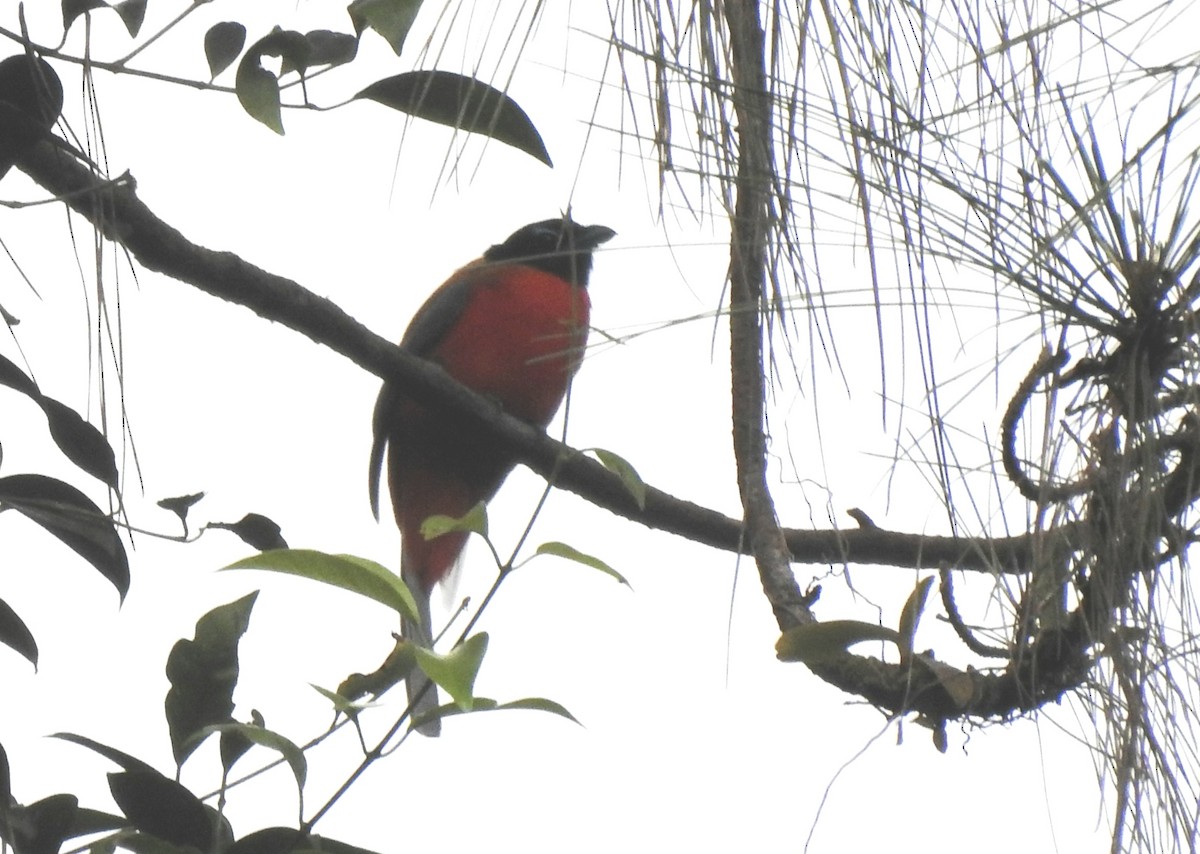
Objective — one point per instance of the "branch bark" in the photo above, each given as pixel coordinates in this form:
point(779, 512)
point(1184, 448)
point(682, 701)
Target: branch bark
point(115, 209)
point(747, 285)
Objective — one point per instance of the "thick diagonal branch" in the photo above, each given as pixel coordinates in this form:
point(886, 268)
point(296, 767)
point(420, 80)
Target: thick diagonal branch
point(115, 209)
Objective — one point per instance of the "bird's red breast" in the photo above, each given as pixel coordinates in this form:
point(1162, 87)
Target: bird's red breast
point(518, 339)
point(512, 326)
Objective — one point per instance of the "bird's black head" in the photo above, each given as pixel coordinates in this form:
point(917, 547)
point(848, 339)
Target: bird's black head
point(559, 246)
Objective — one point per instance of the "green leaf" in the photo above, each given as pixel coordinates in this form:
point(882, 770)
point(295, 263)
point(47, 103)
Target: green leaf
point(460, 102)
point(163, 808)
point(72, 9)
point(539, 704)
point(571, 553)
point(222, 44)
point(70, 516)
point(132, 13)
point(356, 574)
point(203, 673)
point(910, 616)
point(392, 19)
point(234, 746)
point(455, 672)
point(263, 737)
point(343, 704)
point(630, 479)
point(474, 521)
point(257, 88)
point(486, 704)
point(399, 663)
point(821, 641)
point(16, 635)
point(258, 92)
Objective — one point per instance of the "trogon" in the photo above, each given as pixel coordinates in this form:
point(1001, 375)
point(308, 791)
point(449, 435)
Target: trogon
point(511, 325)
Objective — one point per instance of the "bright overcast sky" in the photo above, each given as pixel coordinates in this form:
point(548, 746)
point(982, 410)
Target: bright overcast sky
point(694, 737)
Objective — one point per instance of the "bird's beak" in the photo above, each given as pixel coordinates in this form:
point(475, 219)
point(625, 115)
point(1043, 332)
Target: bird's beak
point(590, 236)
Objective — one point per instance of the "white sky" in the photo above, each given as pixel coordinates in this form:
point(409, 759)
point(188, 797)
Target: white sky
point(694, 737)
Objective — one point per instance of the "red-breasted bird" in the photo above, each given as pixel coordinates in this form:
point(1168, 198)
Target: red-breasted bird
point(512, 326)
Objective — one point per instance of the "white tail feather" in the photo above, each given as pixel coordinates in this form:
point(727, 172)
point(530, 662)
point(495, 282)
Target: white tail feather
point(422, 694)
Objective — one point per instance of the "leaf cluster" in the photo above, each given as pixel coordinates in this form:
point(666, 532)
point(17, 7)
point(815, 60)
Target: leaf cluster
point(156, 813)
point(269, 64)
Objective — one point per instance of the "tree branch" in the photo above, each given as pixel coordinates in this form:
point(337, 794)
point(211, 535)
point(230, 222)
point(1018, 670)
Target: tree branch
point(114, 208)
point(747, 284)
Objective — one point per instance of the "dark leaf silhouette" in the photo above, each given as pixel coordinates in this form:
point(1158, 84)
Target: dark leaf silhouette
point(271, 840)
point(460, 102)
point(72, 9)
point(287, 840)
point(235, 743)
point(294, 50)
point(257, 88)
point(132, 13)
point(14, 377)
point(203, 673)
point(222, 44)
point(82, 443)
point(71, 516)
point(180, 505)
point(5, 790)
point(255, 530)
point(392, 19)
point(41, 827)
point(31, 98)
point(160, 807)
point(15, 634)
point(89, 821)
point(329, 48)
point(120, 757)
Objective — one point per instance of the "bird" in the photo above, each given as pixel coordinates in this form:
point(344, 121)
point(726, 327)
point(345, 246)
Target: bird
point(512, 326)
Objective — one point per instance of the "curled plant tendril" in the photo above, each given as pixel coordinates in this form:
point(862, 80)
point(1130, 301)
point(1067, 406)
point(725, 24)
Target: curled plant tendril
point(1048, 363)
